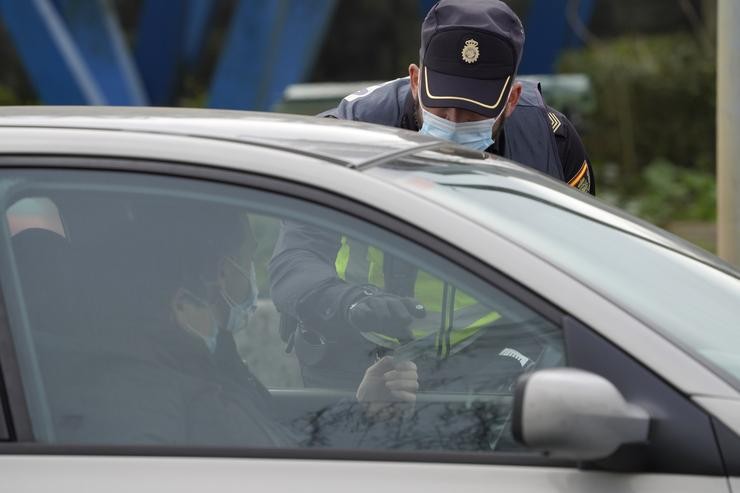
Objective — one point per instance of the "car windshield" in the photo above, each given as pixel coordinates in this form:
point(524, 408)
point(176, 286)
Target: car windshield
point(689, 296)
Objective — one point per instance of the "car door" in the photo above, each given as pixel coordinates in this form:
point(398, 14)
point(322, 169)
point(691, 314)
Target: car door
point(98, 361)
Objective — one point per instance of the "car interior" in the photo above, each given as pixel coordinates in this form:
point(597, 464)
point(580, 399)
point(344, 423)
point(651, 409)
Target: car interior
point(80, 284)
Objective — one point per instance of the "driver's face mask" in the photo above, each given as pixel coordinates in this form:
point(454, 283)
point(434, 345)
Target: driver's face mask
point(196, 316)
point(240, 309)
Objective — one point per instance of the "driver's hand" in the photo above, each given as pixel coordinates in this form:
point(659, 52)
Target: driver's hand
point(389, 381)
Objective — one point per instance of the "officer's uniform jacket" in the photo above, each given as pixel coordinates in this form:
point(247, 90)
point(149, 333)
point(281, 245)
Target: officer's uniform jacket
point(534, 135)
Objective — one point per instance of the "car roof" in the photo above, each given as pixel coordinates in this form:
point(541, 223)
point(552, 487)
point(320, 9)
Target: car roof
point(345, 143)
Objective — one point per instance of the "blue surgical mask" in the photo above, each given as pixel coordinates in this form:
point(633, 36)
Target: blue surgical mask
point(210, 339)
point(239, 313)
point(476, 135)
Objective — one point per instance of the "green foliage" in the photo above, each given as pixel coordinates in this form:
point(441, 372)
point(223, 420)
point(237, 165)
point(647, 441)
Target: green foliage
point(655, 99)
point(7, 97)
point(13, 96)
point(670, 193)
point(651, 134)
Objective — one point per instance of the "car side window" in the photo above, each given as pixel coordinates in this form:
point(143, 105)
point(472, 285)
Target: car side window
point(170, 311)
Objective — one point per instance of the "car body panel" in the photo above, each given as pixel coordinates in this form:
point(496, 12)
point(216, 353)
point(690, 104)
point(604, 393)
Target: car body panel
point(726, 410)
point(350, 143)
point(21, 473)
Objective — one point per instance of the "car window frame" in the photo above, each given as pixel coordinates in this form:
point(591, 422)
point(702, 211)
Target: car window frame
point(14, 400)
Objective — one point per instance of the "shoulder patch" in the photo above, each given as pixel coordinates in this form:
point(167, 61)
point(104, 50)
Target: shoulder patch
point(555, 122)
point(582, 180)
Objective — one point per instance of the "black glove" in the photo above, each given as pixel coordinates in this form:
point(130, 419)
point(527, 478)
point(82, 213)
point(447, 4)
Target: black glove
point(385, 313)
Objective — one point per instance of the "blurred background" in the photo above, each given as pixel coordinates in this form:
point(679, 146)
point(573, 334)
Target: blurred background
point(637, 78)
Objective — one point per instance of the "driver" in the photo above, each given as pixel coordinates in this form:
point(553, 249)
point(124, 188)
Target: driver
point(157, 362)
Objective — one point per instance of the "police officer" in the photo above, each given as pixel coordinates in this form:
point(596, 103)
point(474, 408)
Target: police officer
point(464, 90)
point(466, 85)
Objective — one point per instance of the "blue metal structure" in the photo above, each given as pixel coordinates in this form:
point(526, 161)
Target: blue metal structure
point(54, 63)
point(270, 45)
point(170, 37)
point(547, 33)
point(239, 81)
point(158, 49)
point(199, 15)
point(95, 30)
point(75, 51)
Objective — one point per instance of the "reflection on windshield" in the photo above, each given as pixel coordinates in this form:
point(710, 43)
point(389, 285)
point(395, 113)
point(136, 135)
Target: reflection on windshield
point(676, 292)
point(473, 426)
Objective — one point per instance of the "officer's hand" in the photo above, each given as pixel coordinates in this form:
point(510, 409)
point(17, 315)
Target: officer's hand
point(385, 313)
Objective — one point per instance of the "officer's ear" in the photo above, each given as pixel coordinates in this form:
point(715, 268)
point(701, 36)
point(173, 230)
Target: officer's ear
point(414, 72)
point(514, 95)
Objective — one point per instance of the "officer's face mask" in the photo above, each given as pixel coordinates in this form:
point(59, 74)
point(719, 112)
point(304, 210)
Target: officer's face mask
point(241, 298)
point(476, 135)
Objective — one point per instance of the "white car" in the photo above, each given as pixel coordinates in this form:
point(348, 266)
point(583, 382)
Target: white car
point(609, 358)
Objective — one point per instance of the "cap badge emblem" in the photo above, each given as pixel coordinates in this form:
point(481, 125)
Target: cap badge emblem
point(470, 51)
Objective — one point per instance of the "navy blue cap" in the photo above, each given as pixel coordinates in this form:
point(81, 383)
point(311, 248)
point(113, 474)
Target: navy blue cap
point(470, 53)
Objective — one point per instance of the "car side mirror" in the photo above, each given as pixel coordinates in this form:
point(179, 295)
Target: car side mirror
point(574, 414)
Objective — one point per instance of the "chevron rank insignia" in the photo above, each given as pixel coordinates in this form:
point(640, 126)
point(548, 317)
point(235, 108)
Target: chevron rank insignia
point(555, 122)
